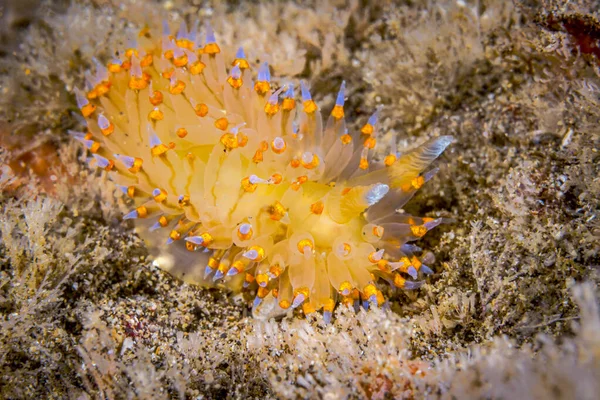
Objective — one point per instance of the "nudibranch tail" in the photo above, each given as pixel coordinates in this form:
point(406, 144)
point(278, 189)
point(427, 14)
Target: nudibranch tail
point(219, 159)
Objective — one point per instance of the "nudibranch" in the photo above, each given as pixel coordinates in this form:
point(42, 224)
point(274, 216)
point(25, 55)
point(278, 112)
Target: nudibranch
point(221, 160)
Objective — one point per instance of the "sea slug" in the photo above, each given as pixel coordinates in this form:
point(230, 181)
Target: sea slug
point(219, 159)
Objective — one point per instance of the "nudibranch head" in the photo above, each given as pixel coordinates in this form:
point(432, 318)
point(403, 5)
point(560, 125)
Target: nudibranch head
point(288, 208)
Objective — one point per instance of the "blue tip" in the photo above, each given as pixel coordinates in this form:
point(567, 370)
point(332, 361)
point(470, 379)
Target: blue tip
point(90, 81)
point(373, 118)
point(103, 122)
point(207, 271)
point(131, 215)
point(122, 188)
point(156, 192)
point(218, 275)
point(327, 317)
point(257, 301)
point(432, 224)
point(263, 72)
point(154, 140)
point(192, 33)
point(232, 272)
point(430, 174)
point(154, 227)
point(305, 93)
point(299, 299)
point(412, 271)
point(410, 248)
point(274, 98)
point(80, 97)
point(411, 285)
point(169, 241)
point(98, 63)
point(341, 95)
point(235, 130)
point(290, 91)
point(126, 160)
point(165, 27)
point(210, 34)
point(236, 72)
point(102, 162)
point(87, 143)
point(426, 270)
point(240, 53)
point(182, 30)
point(197, 240)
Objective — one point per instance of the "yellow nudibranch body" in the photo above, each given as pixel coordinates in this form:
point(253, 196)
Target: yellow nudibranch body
point(287, 207)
